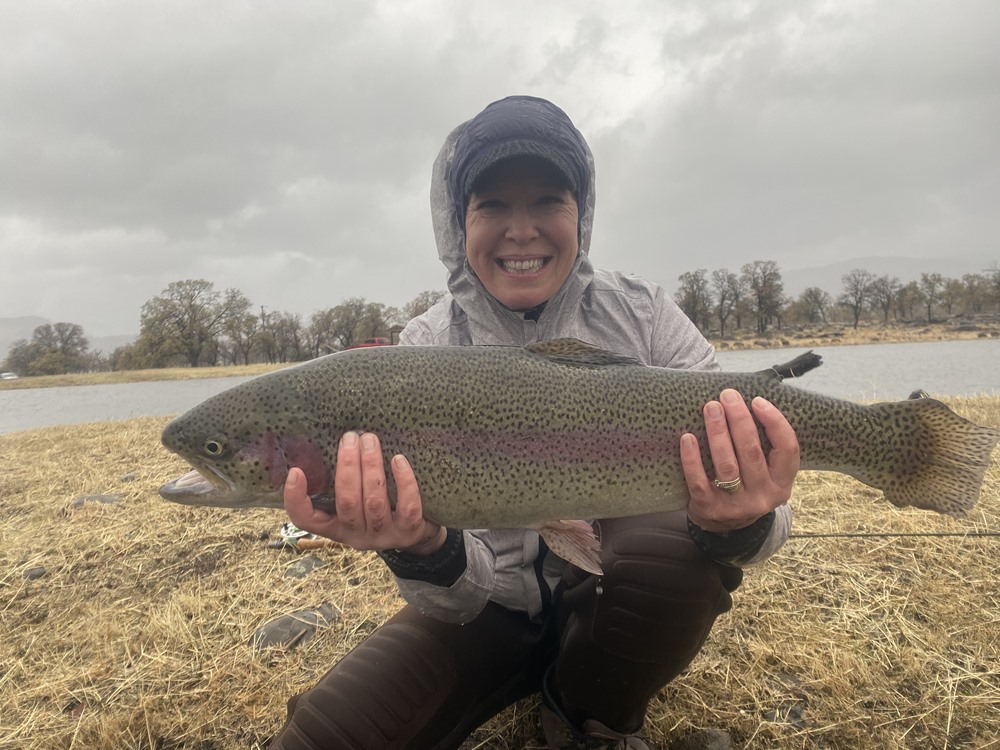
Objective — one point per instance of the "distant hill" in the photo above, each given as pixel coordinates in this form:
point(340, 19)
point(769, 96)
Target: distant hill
point(828, 278)
point(14, 329)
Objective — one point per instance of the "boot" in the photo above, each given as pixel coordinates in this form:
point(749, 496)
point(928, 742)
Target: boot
point(561, 735)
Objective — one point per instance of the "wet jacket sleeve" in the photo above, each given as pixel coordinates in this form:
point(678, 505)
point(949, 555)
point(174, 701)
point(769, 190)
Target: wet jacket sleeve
point(452, 585)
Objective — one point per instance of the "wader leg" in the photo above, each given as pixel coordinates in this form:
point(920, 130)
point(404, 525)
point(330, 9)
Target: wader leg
point(628, 633)
point(419, 683)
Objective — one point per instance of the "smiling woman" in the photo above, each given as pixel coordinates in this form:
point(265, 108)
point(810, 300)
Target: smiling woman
point(512, 198)
point(521, 231)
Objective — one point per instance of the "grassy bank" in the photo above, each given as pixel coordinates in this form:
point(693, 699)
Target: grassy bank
point(866, 333)
point(136, 635)
point(136, 376)
point(799, 336)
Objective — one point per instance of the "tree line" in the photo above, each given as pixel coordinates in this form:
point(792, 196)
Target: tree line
point(722, 302)
point(192, 324)
point(54, 349)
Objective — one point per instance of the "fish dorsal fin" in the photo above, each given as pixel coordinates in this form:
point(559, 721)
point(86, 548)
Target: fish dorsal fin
point(576, 353)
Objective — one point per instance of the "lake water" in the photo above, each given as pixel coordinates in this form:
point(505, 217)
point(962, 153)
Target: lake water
point(882, 372)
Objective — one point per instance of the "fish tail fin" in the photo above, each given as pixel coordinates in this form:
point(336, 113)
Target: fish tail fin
point(575, 542)
point(929, 457)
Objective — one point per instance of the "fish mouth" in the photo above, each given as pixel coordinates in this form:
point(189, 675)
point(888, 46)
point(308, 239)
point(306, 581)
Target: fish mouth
point(194, 488)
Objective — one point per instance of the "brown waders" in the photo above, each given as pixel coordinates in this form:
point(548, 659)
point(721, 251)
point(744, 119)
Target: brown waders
point(420, 683)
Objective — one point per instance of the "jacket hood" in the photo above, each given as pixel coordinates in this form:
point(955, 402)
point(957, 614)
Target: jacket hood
point(483, 311)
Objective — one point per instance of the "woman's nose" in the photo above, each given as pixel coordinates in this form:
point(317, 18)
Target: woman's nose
point(522, 226)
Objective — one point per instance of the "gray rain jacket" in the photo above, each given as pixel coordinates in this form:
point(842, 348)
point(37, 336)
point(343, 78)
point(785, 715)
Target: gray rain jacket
point(621, 313)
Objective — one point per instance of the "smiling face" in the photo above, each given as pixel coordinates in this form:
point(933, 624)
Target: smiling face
point(521, 231)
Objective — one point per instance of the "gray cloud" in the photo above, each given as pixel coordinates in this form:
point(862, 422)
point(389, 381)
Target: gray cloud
point(285, 150)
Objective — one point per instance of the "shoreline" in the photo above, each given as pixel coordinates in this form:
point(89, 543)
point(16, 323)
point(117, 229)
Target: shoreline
point(847, 335)
point(805, 336)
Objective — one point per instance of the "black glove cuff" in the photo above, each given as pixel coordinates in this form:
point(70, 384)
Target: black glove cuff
point(736, 545)
point(442, 568)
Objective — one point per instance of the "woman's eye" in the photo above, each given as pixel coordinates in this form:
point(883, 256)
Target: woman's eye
point(488, 205)
point(550, 202)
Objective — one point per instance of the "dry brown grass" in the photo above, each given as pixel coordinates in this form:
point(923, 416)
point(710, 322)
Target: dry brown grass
point(137, 637)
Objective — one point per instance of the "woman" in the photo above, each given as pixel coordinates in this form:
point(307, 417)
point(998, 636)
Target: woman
point(491, 615)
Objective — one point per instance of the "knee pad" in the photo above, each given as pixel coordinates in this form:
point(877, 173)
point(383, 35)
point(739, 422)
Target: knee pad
point(376, 696)
point(659, 595)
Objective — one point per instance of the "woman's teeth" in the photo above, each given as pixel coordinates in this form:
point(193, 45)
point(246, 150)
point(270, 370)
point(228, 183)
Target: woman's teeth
point(522, 266)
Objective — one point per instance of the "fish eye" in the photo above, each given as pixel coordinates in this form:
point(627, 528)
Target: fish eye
point(214, 447)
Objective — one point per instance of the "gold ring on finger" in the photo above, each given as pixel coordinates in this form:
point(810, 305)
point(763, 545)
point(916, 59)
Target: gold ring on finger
point(731, 486)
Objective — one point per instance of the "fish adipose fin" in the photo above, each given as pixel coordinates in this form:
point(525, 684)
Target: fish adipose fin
point(576, 353)
point(574, 541)
point(797, 367)
point(927, 456)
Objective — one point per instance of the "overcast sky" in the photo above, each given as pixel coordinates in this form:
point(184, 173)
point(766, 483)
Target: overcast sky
point(285, 148)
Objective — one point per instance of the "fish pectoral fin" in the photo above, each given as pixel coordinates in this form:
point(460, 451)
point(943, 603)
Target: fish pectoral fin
point(576, 353)
point(575, 542)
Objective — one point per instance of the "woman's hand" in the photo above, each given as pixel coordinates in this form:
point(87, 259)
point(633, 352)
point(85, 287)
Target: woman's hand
point(766, 481)
point(364, 518)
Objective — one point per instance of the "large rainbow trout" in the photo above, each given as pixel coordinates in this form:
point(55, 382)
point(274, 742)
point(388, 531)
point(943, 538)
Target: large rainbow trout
point(505, 437)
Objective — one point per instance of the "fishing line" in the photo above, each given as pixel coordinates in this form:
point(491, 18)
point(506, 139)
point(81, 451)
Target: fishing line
point(889, 535)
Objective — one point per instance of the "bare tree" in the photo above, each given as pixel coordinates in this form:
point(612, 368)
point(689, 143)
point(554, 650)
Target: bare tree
point(728, 291)
point(693, 296)
point(815, 302)
point(975, 292)
point(952, 294)
point(992, 275)
point(883, 293)
point(284, 337)
point(931, 285)
point(763, 280)
point(857, 291)
point(241, 328)
point(907, 299)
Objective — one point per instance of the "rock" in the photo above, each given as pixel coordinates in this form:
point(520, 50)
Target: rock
point(79, 502)
point(304, 566)
point(289, 631)
point(787, 713)
point(34, 573)
point(704, 739)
